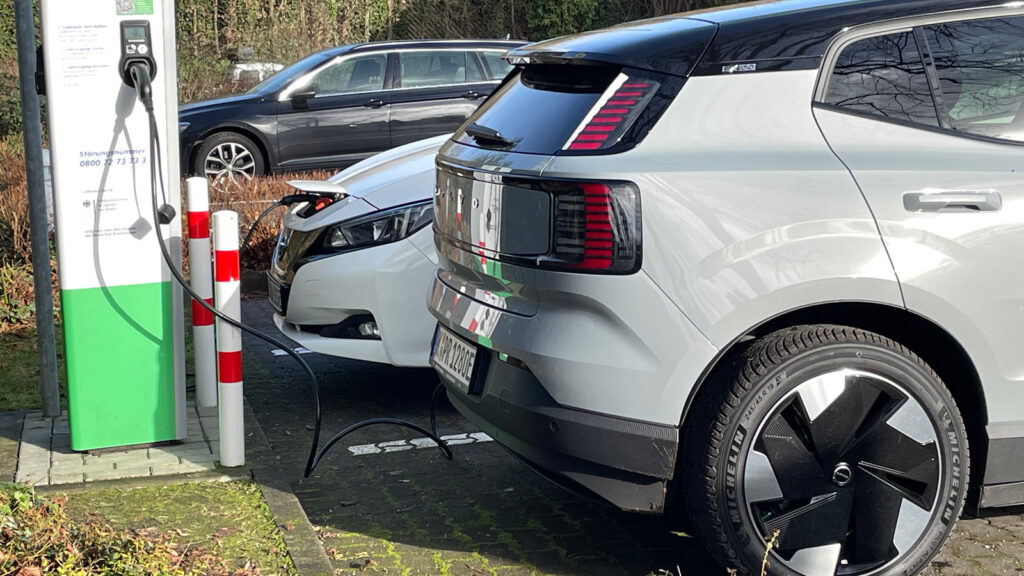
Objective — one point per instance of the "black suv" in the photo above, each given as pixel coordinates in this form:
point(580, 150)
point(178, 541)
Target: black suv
point(336, 107)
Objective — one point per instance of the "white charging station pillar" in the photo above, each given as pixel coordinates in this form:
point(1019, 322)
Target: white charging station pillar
point(123, 321)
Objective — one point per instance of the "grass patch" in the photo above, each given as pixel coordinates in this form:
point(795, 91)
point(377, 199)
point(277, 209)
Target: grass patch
point(228, 520)
point(19, 369)
point(191, 530)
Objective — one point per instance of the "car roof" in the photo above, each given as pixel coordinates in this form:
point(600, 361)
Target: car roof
point(778, 35)
point(421, 44)
point(789, 30)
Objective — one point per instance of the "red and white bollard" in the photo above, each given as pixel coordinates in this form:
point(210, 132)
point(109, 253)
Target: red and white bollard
point(201, 278)
point(227, 295)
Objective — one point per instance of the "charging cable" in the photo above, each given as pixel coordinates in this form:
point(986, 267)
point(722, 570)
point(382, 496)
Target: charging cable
point(164, 214)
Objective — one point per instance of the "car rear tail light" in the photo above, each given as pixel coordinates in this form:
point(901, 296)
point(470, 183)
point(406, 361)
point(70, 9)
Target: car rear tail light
point(613, 114)
point(596, 227)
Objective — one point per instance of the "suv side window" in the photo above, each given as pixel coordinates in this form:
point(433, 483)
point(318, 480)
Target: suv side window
point(883, 76)
point(980, 65)
point(437, 68)
point(364, 74)
point(496, 65)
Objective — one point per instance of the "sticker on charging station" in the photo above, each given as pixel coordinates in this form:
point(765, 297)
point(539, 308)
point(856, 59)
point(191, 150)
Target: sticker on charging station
point(134, 7)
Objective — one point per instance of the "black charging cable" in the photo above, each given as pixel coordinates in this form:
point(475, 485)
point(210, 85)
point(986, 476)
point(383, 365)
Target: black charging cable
point(143, 84)
point(284, 201)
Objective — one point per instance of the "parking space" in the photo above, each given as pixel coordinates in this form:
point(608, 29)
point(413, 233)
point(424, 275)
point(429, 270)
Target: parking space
point(398, 508)
point(383, 502)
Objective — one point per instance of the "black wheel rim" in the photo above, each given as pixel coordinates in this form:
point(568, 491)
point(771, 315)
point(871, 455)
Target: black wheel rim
point(846, 470)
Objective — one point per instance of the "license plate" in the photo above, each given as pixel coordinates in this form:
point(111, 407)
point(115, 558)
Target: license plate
point(274, 295)
point(454, 358)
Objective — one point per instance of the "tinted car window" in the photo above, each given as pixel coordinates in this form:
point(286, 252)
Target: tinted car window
point(539, 109)
point(432, 68)
point(474, 71)
point(363, 74)
point(980, 64)
point(286, 76)
point(883, 76)
point(496, 64)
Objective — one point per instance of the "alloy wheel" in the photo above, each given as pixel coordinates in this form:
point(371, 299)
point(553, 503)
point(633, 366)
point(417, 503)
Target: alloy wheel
point(229, 164)
point(844, 473)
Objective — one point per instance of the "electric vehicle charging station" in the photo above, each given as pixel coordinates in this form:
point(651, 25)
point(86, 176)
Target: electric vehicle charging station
point(123, 320)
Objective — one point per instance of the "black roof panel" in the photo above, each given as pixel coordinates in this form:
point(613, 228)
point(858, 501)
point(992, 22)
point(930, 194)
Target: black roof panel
point(802, 29)
point(668, 44)
point(781, 34)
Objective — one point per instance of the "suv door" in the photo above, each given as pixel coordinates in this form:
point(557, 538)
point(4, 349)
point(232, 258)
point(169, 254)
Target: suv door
point(435, 91)
point(336, 115)
point(930, 121)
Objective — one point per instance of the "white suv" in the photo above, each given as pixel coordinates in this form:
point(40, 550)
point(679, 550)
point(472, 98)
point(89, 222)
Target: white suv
point(768, 258)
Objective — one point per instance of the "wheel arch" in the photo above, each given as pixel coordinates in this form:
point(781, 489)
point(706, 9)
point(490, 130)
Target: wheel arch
point(256, 136)
point(925, 338)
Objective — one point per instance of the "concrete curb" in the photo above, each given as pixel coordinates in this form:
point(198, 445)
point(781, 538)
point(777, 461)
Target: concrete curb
point(10, 438)
point(220, 475)
point(304, 546)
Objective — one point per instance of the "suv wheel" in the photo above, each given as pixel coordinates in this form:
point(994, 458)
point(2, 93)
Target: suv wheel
point(841, 445)
point(228, 160)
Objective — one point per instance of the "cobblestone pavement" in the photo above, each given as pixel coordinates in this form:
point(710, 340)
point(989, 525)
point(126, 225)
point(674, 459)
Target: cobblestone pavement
point(45, 457)
point(391, 507)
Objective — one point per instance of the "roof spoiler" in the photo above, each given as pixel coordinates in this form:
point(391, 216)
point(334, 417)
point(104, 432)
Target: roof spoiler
point(671, 45)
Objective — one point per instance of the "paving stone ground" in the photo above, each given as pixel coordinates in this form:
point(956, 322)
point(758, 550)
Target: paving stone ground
point(409, 511)
point(45, 458)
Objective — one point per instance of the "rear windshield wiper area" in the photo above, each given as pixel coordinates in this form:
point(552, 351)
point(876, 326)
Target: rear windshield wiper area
point(487, 137)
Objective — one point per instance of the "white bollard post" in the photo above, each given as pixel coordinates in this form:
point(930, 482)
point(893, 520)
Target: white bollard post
point(201, 278)
point(227, 295)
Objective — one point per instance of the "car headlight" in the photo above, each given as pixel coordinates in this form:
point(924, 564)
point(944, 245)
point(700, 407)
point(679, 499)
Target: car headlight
point(182, 126)
point(378, 228)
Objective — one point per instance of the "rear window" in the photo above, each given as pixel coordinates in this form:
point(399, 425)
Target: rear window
point(543, 109)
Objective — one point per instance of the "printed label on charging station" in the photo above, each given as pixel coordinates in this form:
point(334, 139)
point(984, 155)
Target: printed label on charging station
point(134, 7)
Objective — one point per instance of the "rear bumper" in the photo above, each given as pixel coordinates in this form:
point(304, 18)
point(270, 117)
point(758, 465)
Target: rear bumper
point(621, 461)
point(589, 390)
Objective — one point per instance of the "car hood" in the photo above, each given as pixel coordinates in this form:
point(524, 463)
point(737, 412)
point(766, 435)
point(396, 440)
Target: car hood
point(216, 103)
point(392, 178)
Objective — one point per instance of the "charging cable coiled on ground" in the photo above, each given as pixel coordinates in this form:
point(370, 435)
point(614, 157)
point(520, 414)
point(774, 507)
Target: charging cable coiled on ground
point(164, 214)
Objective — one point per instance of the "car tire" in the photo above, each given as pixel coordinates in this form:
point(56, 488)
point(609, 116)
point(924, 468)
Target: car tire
point(228, 160)
point(842, 442)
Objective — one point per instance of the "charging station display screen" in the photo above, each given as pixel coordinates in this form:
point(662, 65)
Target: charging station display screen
point(135, 34)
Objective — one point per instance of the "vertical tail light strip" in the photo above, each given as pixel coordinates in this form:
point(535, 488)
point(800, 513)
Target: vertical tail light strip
point(605, 97)
point(598, 240)
point(612, 115)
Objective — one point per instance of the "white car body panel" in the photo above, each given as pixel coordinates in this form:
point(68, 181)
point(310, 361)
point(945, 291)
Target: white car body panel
point(964, 270)
point(389, 281)
point(722, 262)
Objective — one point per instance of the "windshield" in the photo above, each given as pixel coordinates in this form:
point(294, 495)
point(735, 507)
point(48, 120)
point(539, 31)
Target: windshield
point(284, 77)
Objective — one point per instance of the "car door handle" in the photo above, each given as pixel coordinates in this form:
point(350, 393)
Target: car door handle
point(471, 95)
point(374, 103)
point(953, 201)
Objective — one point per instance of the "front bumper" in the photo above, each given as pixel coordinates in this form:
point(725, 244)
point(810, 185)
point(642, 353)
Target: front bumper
point(388, 283)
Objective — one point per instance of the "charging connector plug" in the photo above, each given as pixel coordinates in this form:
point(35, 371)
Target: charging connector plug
point(143, 83)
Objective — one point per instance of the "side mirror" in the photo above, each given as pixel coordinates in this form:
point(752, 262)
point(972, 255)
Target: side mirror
point(304, 93)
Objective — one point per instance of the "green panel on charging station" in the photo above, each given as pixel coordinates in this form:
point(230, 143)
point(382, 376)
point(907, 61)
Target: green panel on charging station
point(120, 363)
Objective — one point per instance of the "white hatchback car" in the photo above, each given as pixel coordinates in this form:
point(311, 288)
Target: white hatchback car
point(349, 277)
